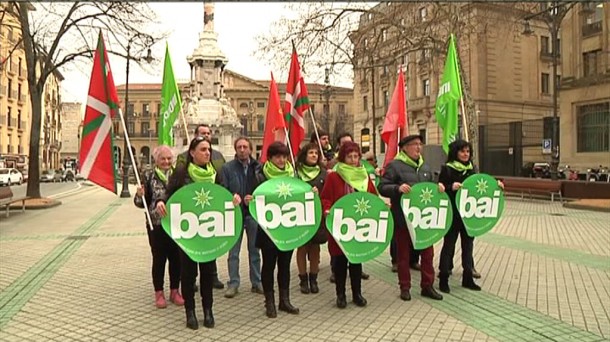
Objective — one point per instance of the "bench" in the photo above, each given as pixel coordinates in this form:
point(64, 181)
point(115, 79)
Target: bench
point(533, 186)
point(6, 199)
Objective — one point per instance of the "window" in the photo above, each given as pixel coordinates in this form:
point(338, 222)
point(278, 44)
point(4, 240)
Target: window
point(593, 127)
point(426, 87)
point(146, 109)
point(558, 82)
point(130, 109)
point(365, 103)
point(386, 70)
point(544, 83)
point(116, 128)
point(243, 105)
point(9, 115)
point(326, 109)
point(21, 67)
point(422, 132)
point(19, 91)
point(261, 123)
point(595, 12)
point(592, 62)
point(341, 110)
point(423, 13)
point(131, 128)
point(312, 108)
point(260, 105)
point(384, 35)
point(159, 108)
point(19, 125)
point(545, 47)
point(9, 89)
point(386, 100)
point(144, 128)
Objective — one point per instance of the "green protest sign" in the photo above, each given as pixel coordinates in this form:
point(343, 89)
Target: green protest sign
point(287, 210)
point(480, 202)
point(203, 221)
point(428, 214)
point(362, 225)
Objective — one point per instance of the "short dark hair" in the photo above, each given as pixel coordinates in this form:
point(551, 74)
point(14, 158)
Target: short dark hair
point(456, 147)
point(302, 156)
point(348, 148)
point(196, 132)
point(343, 135)
point(321, 133)
point(240, 139)
point(277, 148)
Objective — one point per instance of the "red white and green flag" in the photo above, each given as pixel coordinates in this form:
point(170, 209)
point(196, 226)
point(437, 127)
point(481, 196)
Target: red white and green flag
point(96, 151)
point(295, 104)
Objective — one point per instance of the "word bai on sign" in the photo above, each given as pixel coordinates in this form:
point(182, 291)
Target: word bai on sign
point(208, 224)
point(363, 230)
point(484, 207)
point(290, 214)
point(426, 218)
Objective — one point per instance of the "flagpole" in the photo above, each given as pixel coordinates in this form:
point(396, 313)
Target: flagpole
point(290, 149)
point(464, 119)
point(315, 129)
point(135, 168)
point(186, 131)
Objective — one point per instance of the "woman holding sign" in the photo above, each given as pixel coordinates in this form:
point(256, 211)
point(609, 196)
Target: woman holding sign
point(276, 166)
point(350, 176)
point(459, 166)
point(197, 168)
point(309, 169)
point(162, 247)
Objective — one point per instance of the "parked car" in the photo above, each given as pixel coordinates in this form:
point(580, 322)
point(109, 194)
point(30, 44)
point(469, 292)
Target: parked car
point(68, 176)
point(47, 176)
point(10, 176)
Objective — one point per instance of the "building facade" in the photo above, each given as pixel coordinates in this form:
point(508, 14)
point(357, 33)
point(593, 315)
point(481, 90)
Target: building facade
point(505, 76)
point(51, 123)
point(71, 124)
point(14, 96)
point(585, 87)
point(247, 96)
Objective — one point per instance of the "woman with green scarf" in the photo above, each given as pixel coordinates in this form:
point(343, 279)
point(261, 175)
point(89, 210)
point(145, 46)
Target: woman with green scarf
point(197, 168)
point(162, 247)
point(349, 176)
point(458, 167)
point(276, 166)
point(309, 169)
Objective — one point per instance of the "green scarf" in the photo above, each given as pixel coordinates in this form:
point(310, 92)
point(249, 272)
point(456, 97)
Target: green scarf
point(403, 157)
point(355, 176)
point(272, 171)
point(307, 173)
point(205, 174)
point(163, 176)
point(459, 167)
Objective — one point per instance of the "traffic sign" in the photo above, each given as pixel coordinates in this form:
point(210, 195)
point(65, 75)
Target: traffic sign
point(546, 146)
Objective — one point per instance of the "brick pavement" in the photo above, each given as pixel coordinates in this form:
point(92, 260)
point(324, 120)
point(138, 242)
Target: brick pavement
point(81, 272)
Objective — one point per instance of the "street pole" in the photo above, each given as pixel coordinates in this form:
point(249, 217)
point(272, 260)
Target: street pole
point(374, 130)
point(150, 146)
point(125, 187)
point(555, 139)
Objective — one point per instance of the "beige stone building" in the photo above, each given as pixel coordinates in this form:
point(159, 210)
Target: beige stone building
point(51, 123)
point(585, 88)
point(506, 73)
point(14, 96)
point(246, 95)
point(71, 126)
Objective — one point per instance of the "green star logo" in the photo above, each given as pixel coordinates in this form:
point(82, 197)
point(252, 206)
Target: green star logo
point(362, 206)
point(202, 198)
point(426, 196)
point(481, 186)
point(284, 190)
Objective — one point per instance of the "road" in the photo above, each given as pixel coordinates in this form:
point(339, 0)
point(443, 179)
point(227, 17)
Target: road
point(46, 189)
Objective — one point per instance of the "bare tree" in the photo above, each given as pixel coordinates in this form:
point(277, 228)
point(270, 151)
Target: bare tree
point(354, 38)
point(55, 35)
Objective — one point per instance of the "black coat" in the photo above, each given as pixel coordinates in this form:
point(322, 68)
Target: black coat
point(447, 177)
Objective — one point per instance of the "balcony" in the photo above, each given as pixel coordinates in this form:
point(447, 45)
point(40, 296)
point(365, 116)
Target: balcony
point(22, 125)
point(12, 95)
point(12, 122)
point(21, 98)
point(591, 29)
point(2, 120)
point(418, 103)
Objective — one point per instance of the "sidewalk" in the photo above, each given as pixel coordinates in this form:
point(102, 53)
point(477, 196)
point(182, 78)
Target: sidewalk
point(81, 272)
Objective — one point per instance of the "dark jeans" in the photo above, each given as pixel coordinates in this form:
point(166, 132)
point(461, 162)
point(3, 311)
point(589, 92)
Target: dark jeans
point(340, 266)
point(271, 257)
point(448, 251)
point(189, 275)
point(163, 249)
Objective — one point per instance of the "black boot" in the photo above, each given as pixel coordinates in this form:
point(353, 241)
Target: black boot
point(304, 283)
point(270, 304)
point(341, 300)
point(218, 284)
point(285, 304)
point(356, 282)
point(191, 320)
point(208, 318)
point(468, 281)
point(443, 284)
point(313, 283)
point(430, 292)
point(359, 300)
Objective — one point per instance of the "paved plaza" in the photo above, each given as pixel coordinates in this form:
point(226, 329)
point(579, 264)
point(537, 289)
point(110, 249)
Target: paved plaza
point(81, 272)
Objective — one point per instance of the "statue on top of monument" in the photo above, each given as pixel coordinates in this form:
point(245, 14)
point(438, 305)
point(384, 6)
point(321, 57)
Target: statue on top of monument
point(208, 16)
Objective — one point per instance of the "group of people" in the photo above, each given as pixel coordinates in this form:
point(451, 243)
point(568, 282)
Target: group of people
point(332, 173)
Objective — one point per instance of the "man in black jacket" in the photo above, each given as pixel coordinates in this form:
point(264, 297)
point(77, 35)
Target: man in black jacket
point(400, 174)
point(239, 178)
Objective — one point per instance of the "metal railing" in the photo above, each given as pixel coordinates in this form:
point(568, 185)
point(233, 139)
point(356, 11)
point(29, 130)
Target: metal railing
point(591, 29)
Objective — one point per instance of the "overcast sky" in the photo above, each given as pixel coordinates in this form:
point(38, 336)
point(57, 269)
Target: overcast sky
point(236, 23)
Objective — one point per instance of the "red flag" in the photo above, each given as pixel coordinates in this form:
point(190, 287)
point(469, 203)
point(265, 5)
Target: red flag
point(295, 104)
point(395, 120)
point(274, 123)
point(96, 151)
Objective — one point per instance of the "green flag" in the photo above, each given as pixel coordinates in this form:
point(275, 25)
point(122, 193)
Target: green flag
point(170, 103)
point(449, 94)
